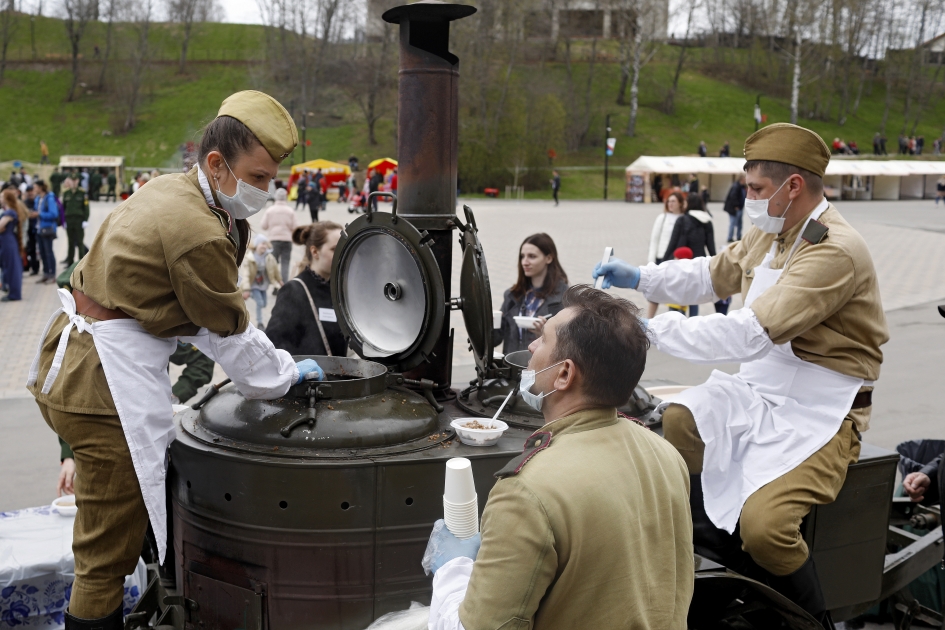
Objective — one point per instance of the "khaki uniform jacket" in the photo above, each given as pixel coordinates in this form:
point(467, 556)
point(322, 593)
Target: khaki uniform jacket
point(75, 204)
point(826, 303)
point(163, 257)
point(594, 532)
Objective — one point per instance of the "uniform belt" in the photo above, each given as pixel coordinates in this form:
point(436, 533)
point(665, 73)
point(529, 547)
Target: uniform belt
point(84, 305)
point(862, 400)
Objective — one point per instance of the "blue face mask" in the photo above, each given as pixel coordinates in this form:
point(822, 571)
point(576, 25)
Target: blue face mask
point(528, 381)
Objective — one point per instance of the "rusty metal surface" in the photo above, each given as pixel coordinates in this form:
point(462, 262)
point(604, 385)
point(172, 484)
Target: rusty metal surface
point(335, 543)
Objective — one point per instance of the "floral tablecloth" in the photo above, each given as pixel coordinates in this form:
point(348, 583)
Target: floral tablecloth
point(37, 569)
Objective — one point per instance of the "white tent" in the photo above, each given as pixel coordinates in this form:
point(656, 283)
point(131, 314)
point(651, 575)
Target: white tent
point(846, 178)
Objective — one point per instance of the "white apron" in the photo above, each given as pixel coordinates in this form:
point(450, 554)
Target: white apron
point(763, 422)
point(135, 365)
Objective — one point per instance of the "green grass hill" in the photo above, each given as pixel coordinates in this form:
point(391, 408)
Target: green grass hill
point(227, 57)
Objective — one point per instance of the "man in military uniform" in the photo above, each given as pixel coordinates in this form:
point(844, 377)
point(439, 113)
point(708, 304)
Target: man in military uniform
point(95, 185)
point(55, 180)
point(112, 183)
point(76, 205)
point(590, 526)
point(767, 444)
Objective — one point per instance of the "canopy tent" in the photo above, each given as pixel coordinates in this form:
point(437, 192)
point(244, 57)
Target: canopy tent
point(383, 165)
point(846, 178)
point(109, 163)
point(333, 172)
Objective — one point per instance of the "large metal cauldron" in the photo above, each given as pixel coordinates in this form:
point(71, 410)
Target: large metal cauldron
point(324, 528)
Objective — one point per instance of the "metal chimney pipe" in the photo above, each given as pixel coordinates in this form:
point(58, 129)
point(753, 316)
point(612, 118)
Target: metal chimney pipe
point(427, 143)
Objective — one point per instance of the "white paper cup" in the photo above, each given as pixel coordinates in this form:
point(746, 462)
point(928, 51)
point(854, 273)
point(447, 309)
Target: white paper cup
point(459, 486)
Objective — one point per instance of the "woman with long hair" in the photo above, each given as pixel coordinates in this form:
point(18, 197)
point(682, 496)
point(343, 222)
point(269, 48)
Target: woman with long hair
point(164, 267)
point(673, 207)
point(537, 292)
point(48, 209)
point(13, 216)
point(303, 319)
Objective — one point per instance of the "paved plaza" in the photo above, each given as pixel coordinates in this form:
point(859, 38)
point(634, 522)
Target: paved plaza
point(907, 240)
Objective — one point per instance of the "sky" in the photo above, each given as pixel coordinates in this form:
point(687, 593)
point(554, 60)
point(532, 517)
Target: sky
point(242, 12)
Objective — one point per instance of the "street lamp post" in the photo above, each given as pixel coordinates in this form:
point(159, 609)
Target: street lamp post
point(606, 156)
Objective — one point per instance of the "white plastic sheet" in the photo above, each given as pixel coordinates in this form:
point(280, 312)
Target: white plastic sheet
point(37, 569)
point(414, 618)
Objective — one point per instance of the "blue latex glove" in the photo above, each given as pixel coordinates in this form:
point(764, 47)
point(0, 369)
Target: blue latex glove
point(618, 273)
point(644, 322)
point(308, 368)
point(444, 546)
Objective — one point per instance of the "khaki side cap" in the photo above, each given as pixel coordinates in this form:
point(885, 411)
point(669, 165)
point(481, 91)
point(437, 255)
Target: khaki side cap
point(789, 144)
point(266, 118)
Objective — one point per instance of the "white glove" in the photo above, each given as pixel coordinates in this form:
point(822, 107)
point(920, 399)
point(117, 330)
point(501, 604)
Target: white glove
point(85, 224)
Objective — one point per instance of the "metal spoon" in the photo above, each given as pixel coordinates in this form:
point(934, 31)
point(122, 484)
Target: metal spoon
point(502, 406)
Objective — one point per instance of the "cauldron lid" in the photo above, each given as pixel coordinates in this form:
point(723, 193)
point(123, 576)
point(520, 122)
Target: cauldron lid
point(476, 294)
point(387, 290)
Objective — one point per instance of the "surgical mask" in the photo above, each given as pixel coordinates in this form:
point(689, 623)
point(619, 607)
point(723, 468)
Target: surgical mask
point(247, 201)
point(757, 211)
point(528, 381)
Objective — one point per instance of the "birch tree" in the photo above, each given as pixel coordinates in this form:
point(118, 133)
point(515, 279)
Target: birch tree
point(139, 18)
point(78, 14)
point(9, 22)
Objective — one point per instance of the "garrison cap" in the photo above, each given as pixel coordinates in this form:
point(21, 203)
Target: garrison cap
point(266, 118)
point(789, 144)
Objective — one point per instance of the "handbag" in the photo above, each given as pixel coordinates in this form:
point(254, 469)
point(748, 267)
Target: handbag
point(48, 232)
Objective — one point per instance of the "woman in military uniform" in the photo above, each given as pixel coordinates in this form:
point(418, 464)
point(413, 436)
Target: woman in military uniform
point(163, 267)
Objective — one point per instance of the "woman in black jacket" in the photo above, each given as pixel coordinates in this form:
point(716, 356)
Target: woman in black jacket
point(299, 325)
point(693, 230)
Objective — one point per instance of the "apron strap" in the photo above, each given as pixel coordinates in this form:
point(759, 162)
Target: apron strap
point(75, 320)
point(819, 210)
point(311, 302)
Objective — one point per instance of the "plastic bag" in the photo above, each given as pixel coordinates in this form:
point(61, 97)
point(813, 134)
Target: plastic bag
point(417, 617)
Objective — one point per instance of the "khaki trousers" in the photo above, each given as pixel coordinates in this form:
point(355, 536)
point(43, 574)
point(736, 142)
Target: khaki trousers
point(111, 520)
point(770, 521)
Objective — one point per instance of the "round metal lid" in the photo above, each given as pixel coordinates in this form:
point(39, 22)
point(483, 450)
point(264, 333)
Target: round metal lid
point(357, 411)
point(387, 290)
point(476, 295)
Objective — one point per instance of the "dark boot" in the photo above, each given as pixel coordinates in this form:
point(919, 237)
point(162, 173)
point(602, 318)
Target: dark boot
point(114, 621)
point(714, 543)
point(803, 588)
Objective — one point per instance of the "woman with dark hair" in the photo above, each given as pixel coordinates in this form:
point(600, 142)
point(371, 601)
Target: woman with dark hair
point(48, 213)
point(537, 292)
point(303, 320)
point(693, 230)
point(164, 266)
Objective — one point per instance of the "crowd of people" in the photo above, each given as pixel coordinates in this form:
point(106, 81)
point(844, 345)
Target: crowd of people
point(313, 186)
point(34, 210)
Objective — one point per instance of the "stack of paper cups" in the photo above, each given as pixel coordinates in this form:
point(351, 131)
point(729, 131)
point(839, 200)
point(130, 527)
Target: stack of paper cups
point(460, 504)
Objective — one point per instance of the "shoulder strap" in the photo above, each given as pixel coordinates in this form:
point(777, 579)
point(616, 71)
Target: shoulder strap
point(311, 302)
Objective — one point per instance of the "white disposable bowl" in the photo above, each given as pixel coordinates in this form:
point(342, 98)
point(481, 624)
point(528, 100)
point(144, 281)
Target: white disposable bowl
point(65, 505)
point(479, 437)
point(525, 323)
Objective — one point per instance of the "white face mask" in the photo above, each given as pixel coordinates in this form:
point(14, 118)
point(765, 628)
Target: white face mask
point(757, 211)
point(247, 201)
point(528, 380)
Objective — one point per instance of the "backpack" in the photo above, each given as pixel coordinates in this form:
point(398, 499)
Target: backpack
point(62, 209)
